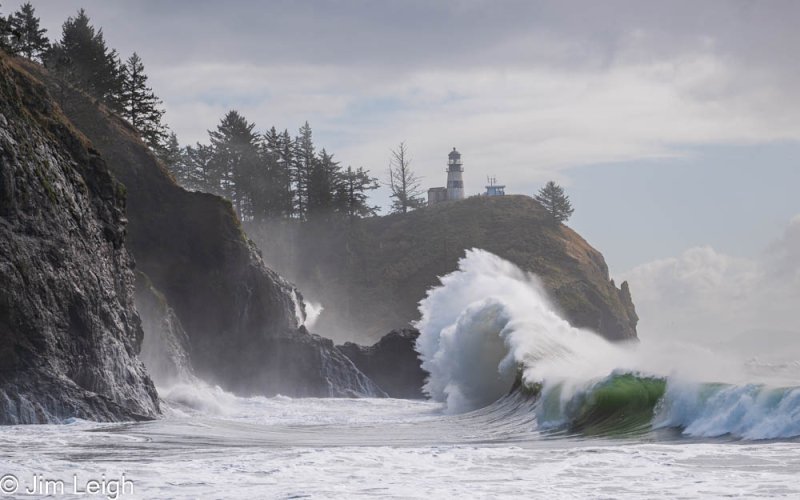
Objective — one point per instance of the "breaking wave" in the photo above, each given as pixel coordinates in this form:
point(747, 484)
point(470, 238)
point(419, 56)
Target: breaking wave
point(489, 327)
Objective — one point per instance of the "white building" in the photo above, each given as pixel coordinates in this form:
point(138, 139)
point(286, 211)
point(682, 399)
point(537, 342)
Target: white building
point(455, 181)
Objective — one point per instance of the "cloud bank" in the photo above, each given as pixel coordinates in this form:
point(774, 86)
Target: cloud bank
point(524, 89)
point(703, 296)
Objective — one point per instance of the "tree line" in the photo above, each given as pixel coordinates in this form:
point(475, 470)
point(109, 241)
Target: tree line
point(264, 175)
point(82, 58)
point(271, 174)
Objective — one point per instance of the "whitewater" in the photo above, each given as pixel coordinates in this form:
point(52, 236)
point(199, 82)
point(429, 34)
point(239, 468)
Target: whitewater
point(522, 405)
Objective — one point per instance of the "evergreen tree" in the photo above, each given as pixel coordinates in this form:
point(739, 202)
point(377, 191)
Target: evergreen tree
point(403, 182)
point(278, 155)
point(199, 167)
point(288, 149)
point(555, 201)
point(304, 160)
point(263, 175)
point(323, 183)
point(82, 57)
point(236, 158)
point(171, 155)
point(140, 106)
point(29, 39)
point(351, 196)
point(264, 190)
point(5, 34)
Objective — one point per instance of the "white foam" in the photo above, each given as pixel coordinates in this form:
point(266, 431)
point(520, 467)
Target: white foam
point(487, 320)
point(748, 411)
point(313, 310)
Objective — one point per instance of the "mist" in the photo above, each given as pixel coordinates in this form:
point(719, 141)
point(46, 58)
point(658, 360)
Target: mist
point(314, 256)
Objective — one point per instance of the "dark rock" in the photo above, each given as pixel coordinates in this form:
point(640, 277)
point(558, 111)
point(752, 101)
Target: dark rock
point(165, 348)
point(300, 364)
point(69, 331)
point(392, 363)
point(240, 317)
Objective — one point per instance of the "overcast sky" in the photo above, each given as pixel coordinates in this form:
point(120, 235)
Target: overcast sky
point(673, 125)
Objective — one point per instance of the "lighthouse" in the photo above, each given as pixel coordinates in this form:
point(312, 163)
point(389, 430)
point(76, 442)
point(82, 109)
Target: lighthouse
point(455, 181)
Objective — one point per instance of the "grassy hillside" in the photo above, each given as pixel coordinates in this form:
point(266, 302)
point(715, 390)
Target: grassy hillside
point(370, 274)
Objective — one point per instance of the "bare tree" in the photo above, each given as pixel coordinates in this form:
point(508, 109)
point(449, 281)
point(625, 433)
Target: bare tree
point(405, 185)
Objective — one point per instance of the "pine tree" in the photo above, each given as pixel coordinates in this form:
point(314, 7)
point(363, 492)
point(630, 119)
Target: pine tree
point(171, 155)
point(403, 182)
point(82, 57)
point(278, 155)
point(351, 197)
point(236, 157)
point(288, 150)
point(555, 201)
point(29, 39)
point(140, 105)
point(323, 183)
point(5, 34)
point(199, 167)
point(304, 159)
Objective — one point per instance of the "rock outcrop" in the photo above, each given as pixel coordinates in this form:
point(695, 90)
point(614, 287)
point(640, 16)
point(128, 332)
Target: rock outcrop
point(69, 331)
point(240, 318)
point(392, 363)
point(371, 274)
point(300, 364)
point(165, 348)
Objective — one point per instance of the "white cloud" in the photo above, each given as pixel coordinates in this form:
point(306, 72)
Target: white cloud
point(525, 89)
point(706, 297)
point(520, 124)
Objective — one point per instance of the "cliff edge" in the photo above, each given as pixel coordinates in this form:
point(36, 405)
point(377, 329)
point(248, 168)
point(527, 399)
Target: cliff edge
point(69, 331)
point(242, 321)
point(370, 274)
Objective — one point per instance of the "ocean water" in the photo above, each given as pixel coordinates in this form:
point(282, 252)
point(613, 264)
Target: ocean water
point(351, 448)
point(522, 405)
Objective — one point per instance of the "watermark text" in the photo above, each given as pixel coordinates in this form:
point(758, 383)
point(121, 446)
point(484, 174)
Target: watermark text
point(36, 484)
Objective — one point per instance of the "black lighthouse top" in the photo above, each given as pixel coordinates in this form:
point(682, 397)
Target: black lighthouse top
point(454, 161)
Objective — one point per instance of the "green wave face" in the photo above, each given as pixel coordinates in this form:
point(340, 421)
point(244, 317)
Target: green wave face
point(619, 405)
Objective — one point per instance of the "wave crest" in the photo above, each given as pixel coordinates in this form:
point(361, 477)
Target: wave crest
point(489, 327)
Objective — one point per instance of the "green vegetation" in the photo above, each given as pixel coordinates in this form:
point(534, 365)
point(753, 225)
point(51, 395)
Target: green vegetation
point(82, 58)
point(271, 175)
point(140, 106)
point(369, 274)
point(263, 175)
point(555, 201)
point(21, 34)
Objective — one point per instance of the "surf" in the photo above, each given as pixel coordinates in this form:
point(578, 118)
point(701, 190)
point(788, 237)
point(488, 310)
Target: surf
point(488, 330)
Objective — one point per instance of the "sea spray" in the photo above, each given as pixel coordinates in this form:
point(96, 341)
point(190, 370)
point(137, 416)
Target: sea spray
point(313, 310)
point(489, 321)
point(490, 325)
point(306, 312)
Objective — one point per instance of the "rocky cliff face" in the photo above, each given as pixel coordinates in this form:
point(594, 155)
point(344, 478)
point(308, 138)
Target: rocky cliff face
point(240, 317)
point(165, 347)
point(392, 363)
point(69, 332)
point(371, 274)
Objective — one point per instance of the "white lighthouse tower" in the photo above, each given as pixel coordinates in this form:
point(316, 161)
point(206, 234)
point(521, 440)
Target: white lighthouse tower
point(455, 182)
